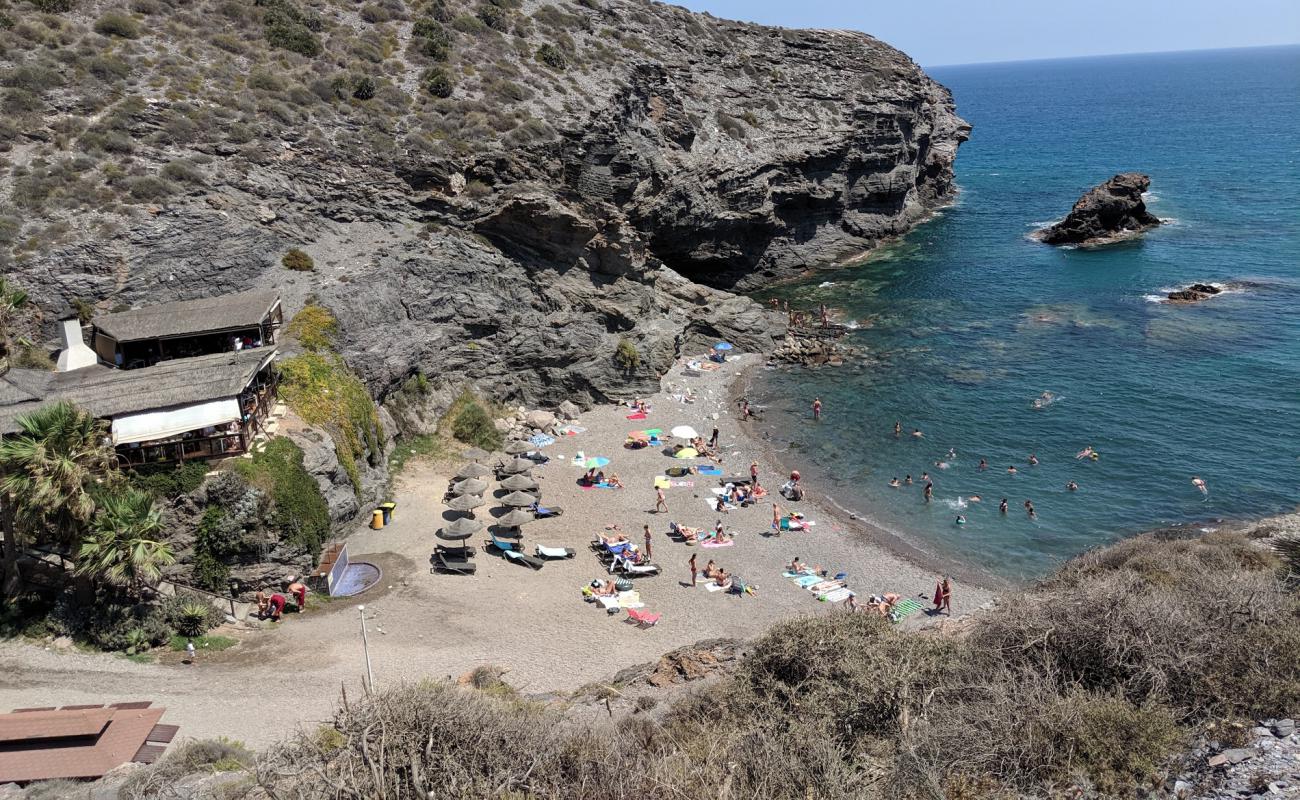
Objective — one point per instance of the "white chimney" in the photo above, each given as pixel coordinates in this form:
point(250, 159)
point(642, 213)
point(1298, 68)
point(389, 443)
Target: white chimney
point(75, 354)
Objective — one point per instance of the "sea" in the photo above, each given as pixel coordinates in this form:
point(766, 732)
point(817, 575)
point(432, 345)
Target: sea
point(966, 321)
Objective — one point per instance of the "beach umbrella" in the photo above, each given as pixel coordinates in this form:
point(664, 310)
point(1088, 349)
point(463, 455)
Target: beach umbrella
point(462, 528)
point(519, 483)
point(516, 518)
point(686, 452)
point(466, 502)
point(516, 448)
point(722, 346)
point(639, 436)
point(518, 500)
point(515, 466)
point(475, 454)
point(684, 432)
point(470, 486)
point(472, 470)
point(595, 462)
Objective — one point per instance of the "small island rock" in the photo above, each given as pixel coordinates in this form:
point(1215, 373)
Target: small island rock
point(1194, 293)
point(1106, 213)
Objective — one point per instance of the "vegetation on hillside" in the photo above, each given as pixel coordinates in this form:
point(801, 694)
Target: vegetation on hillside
point(1091, 680)
point(298, 510)
point(324, 391)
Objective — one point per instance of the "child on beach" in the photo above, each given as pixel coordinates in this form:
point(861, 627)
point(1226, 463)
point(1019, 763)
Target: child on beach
point(661, 502)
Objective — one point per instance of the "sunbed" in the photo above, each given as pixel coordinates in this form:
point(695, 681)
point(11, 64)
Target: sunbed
point(456, 551)
point(446, 563)
point(554, 552)
point(643, 619)
point(523, 558)
point(632, 569)
point(542, 512)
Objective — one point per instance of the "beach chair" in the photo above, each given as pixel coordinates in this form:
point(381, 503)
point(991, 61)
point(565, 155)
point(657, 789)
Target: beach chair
point(523, 558)
point(456, 551)
point(643, 619)
point(554, 552)
point(632, 570)
point(501, 545)
point(445, 563)
point(542, 512)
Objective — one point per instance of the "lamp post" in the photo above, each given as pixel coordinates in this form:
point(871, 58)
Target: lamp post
point(365, 645)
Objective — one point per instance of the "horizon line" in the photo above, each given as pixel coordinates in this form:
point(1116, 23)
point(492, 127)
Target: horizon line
point(1112, 55)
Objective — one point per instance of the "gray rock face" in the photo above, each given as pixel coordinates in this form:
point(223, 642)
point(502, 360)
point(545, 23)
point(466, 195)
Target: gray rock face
point(712, 157)
point(1112, 211)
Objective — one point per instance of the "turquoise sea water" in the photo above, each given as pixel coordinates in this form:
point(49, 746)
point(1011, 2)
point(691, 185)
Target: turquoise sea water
point(966, 321)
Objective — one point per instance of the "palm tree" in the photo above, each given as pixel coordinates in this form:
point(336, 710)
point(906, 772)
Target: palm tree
point(122, 548)
point(47, 472)
point(12, 302)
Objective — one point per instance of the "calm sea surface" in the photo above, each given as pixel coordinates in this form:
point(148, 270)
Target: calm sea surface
point(967, 321)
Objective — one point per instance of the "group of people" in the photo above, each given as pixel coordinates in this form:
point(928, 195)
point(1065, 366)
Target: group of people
point(795, 318)
point(272, 604)
point(715, 574)
point(596, 476)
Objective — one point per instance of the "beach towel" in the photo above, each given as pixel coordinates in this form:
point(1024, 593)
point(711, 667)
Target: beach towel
point(835, 596)
point(713, 586)
point(713, 505)
point(541, 440)
point(715, 543)
point(652, 432)
point(903, 609)
point(804, 581)
point(824, 586)
point(662, 482)
point(636, 416)
point(710, 470)
point(789, 574)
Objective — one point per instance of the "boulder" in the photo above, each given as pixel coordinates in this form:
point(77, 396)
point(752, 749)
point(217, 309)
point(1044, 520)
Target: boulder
point(540, 420)
point(569, 410)
point(1194, 293)
point(1112, 211)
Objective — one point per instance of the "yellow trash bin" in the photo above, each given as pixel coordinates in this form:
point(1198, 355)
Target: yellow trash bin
point(377, 519)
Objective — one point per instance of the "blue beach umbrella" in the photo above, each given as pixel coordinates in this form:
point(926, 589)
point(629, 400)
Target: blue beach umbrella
point(722, 346)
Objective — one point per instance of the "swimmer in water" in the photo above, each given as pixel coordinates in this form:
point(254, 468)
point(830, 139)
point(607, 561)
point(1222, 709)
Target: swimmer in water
point(1086, 452)
point(929, 491)
point(1002, 507)
point(898, 429)
point(1200, 484)
point(983, 465)
point(925, 477)
point(961, 520)
point(894, 483)
point(916, 433)
point(1029, 509)
point(941, 464)
point(1072, 486)
point(952, 452)
point(1011, 470)
point(908, 480)
point(975, 498)
point(1033, 460)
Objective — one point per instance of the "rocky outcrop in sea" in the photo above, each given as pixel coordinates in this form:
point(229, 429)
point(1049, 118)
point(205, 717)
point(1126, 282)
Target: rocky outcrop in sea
point(1107, 213)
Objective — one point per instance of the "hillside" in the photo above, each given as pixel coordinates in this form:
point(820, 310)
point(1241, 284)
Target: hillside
point(499, 191)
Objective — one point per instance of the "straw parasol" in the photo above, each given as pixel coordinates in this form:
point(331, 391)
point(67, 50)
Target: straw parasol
point(466, 502)
point(519, 483)
point(518, 500)
point(516, 466)
point(472, 470)
point(470, 486)
point(684, 432)
point(518, 447)
point(475, 454)
point(459, 530)
point(516, 518)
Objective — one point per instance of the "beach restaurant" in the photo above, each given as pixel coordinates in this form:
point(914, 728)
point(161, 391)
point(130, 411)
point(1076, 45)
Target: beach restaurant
point(195, 379)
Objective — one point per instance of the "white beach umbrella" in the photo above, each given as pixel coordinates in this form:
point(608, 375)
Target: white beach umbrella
point(684, 432)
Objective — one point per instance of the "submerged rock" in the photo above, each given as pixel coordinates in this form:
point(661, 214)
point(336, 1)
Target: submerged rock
point(1107, 213)
point(1194, 293)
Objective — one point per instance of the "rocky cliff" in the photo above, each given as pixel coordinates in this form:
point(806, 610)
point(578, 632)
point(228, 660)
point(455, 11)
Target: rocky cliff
point(495, 193)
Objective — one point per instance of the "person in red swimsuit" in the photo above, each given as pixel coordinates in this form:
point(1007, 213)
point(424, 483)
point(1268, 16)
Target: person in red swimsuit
point(277, 606)
point(299, 591)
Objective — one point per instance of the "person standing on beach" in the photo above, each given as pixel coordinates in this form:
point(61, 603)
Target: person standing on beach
point(776, 517)
point(946, 595)
point(817, 408)
point(753, 473)
point(929, 491)
point(691, 563)
point(938, 595)
point(647, 542)
point(661, 502)
point(713, 440)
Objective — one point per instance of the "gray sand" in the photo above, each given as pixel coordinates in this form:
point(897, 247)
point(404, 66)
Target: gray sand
point(535, 624)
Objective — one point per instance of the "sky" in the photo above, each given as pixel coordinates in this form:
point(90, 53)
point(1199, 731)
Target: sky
point(942, 32)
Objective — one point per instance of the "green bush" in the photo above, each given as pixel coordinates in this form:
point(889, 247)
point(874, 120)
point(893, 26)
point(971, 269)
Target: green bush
point(473, 425)
point(298, 511)
point(146, 188)
point(298, 261)
point(552, 56)
point(627, 356)
point(117, 23)
point(183, 171)
point(364, 89)
point(169, 481)
point(54, 6)
point(211, 547)
point(468, 23)
point(493, 17)
point(438, 83)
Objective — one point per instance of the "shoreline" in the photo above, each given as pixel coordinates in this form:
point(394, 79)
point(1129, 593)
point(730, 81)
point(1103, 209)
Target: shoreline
point(873, 533)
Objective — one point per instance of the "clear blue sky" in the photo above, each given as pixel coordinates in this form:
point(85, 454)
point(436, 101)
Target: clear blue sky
point(935, 32)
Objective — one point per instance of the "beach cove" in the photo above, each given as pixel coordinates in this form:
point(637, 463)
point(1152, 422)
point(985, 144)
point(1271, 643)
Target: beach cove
point(534, 624)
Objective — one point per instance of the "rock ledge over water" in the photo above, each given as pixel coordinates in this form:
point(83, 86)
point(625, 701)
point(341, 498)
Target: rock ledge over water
point(1107, 213)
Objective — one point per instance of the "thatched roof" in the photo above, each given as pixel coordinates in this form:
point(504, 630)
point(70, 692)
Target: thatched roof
point(189, 317)
point(107, 392)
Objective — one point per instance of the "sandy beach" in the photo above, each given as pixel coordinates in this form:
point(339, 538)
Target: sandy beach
point(535, 624)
